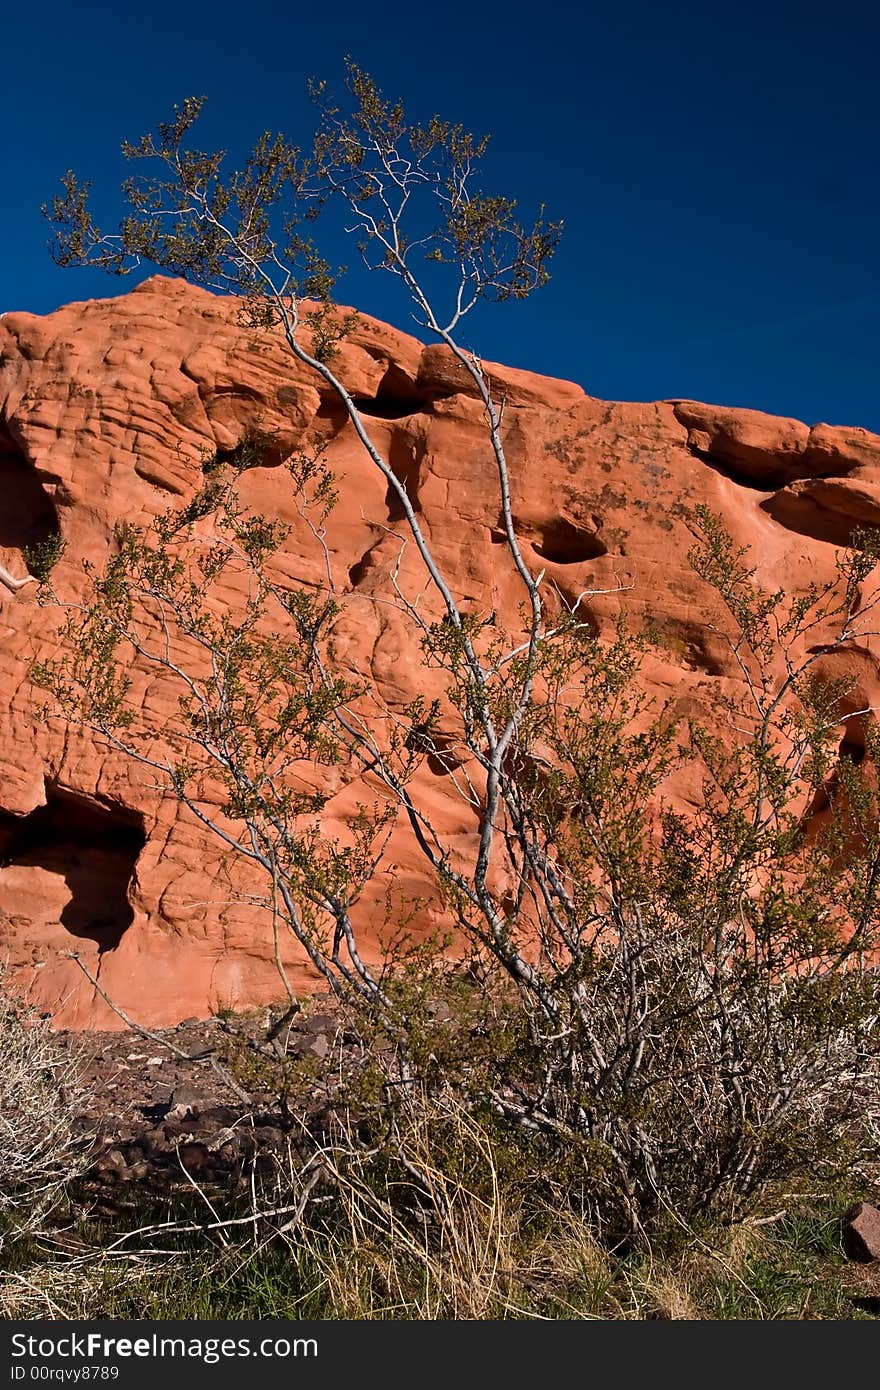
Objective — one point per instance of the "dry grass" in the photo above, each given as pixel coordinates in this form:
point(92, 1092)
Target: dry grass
point(437, 1220)
point(40, 1149)
point(420, 1243)
point(49, 1287)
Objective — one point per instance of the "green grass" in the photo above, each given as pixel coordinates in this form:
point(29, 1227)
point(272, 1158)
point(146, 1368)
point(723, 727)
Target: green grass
point(790, 1268)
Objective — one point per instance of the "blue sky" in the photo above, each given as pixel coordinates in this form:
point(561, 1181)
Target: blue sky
point(716, 167)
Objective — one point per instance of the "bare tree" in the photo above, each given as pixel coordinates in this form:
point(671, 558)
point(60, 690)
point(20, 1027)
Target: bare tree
point(189, 219)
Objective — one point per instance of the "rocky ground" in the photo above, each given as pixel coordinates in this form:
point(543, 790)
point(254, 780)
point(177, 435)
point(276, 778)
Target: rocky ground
point(204, 1100)
point(221, 1102)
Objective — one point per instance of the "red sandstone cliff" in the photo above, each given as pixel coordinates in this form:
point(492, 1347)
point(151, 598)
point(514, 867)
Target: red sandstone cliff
point(106, 409)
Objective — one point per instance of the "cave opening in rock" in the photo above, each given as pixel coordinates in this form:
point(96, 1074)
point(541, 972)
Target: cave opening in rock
point(405, 458)
point(563, 543)
point(852, 749)
point(390, 407)
point(92, 848)
point(28, 515)
point(255, 449)
point(558, 540)
point(397, 397)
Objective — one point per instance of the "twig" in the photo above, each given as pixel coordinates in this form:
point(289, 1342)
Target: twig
point(179, 1228)
point(201, 1192)
point(157, 1037)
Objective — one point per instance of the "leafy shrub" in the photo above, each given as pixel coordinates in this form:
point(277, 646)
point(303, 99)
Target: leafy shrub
point(677, 1010)
point(42, 557)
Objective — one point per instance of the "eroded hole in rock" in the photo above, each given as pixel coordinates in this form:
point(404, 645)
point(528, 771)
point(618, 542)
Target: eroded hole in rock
point(359, 570)
point(254, 450)
point(331, 408)
point(761, 476)
point(396, 397)
point(405, 459)
point(563, 543)
point(803, 514)
point(558, 540)
point(695, 647)
point(576, 606)
point(444, 757)
point(388, 409)
point(93, 849)
point(852, 749)
point(28, 516)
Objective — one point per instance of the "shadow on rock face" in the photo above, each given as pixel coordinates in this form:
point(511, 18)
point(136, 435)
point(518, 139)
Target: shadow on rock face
point(93, 848)
point(27, 514)
point(802, 513)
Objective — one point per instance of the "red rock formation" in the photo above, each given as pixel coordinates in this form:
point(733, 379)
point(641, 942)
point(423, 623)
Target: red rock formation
point(106, 411)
